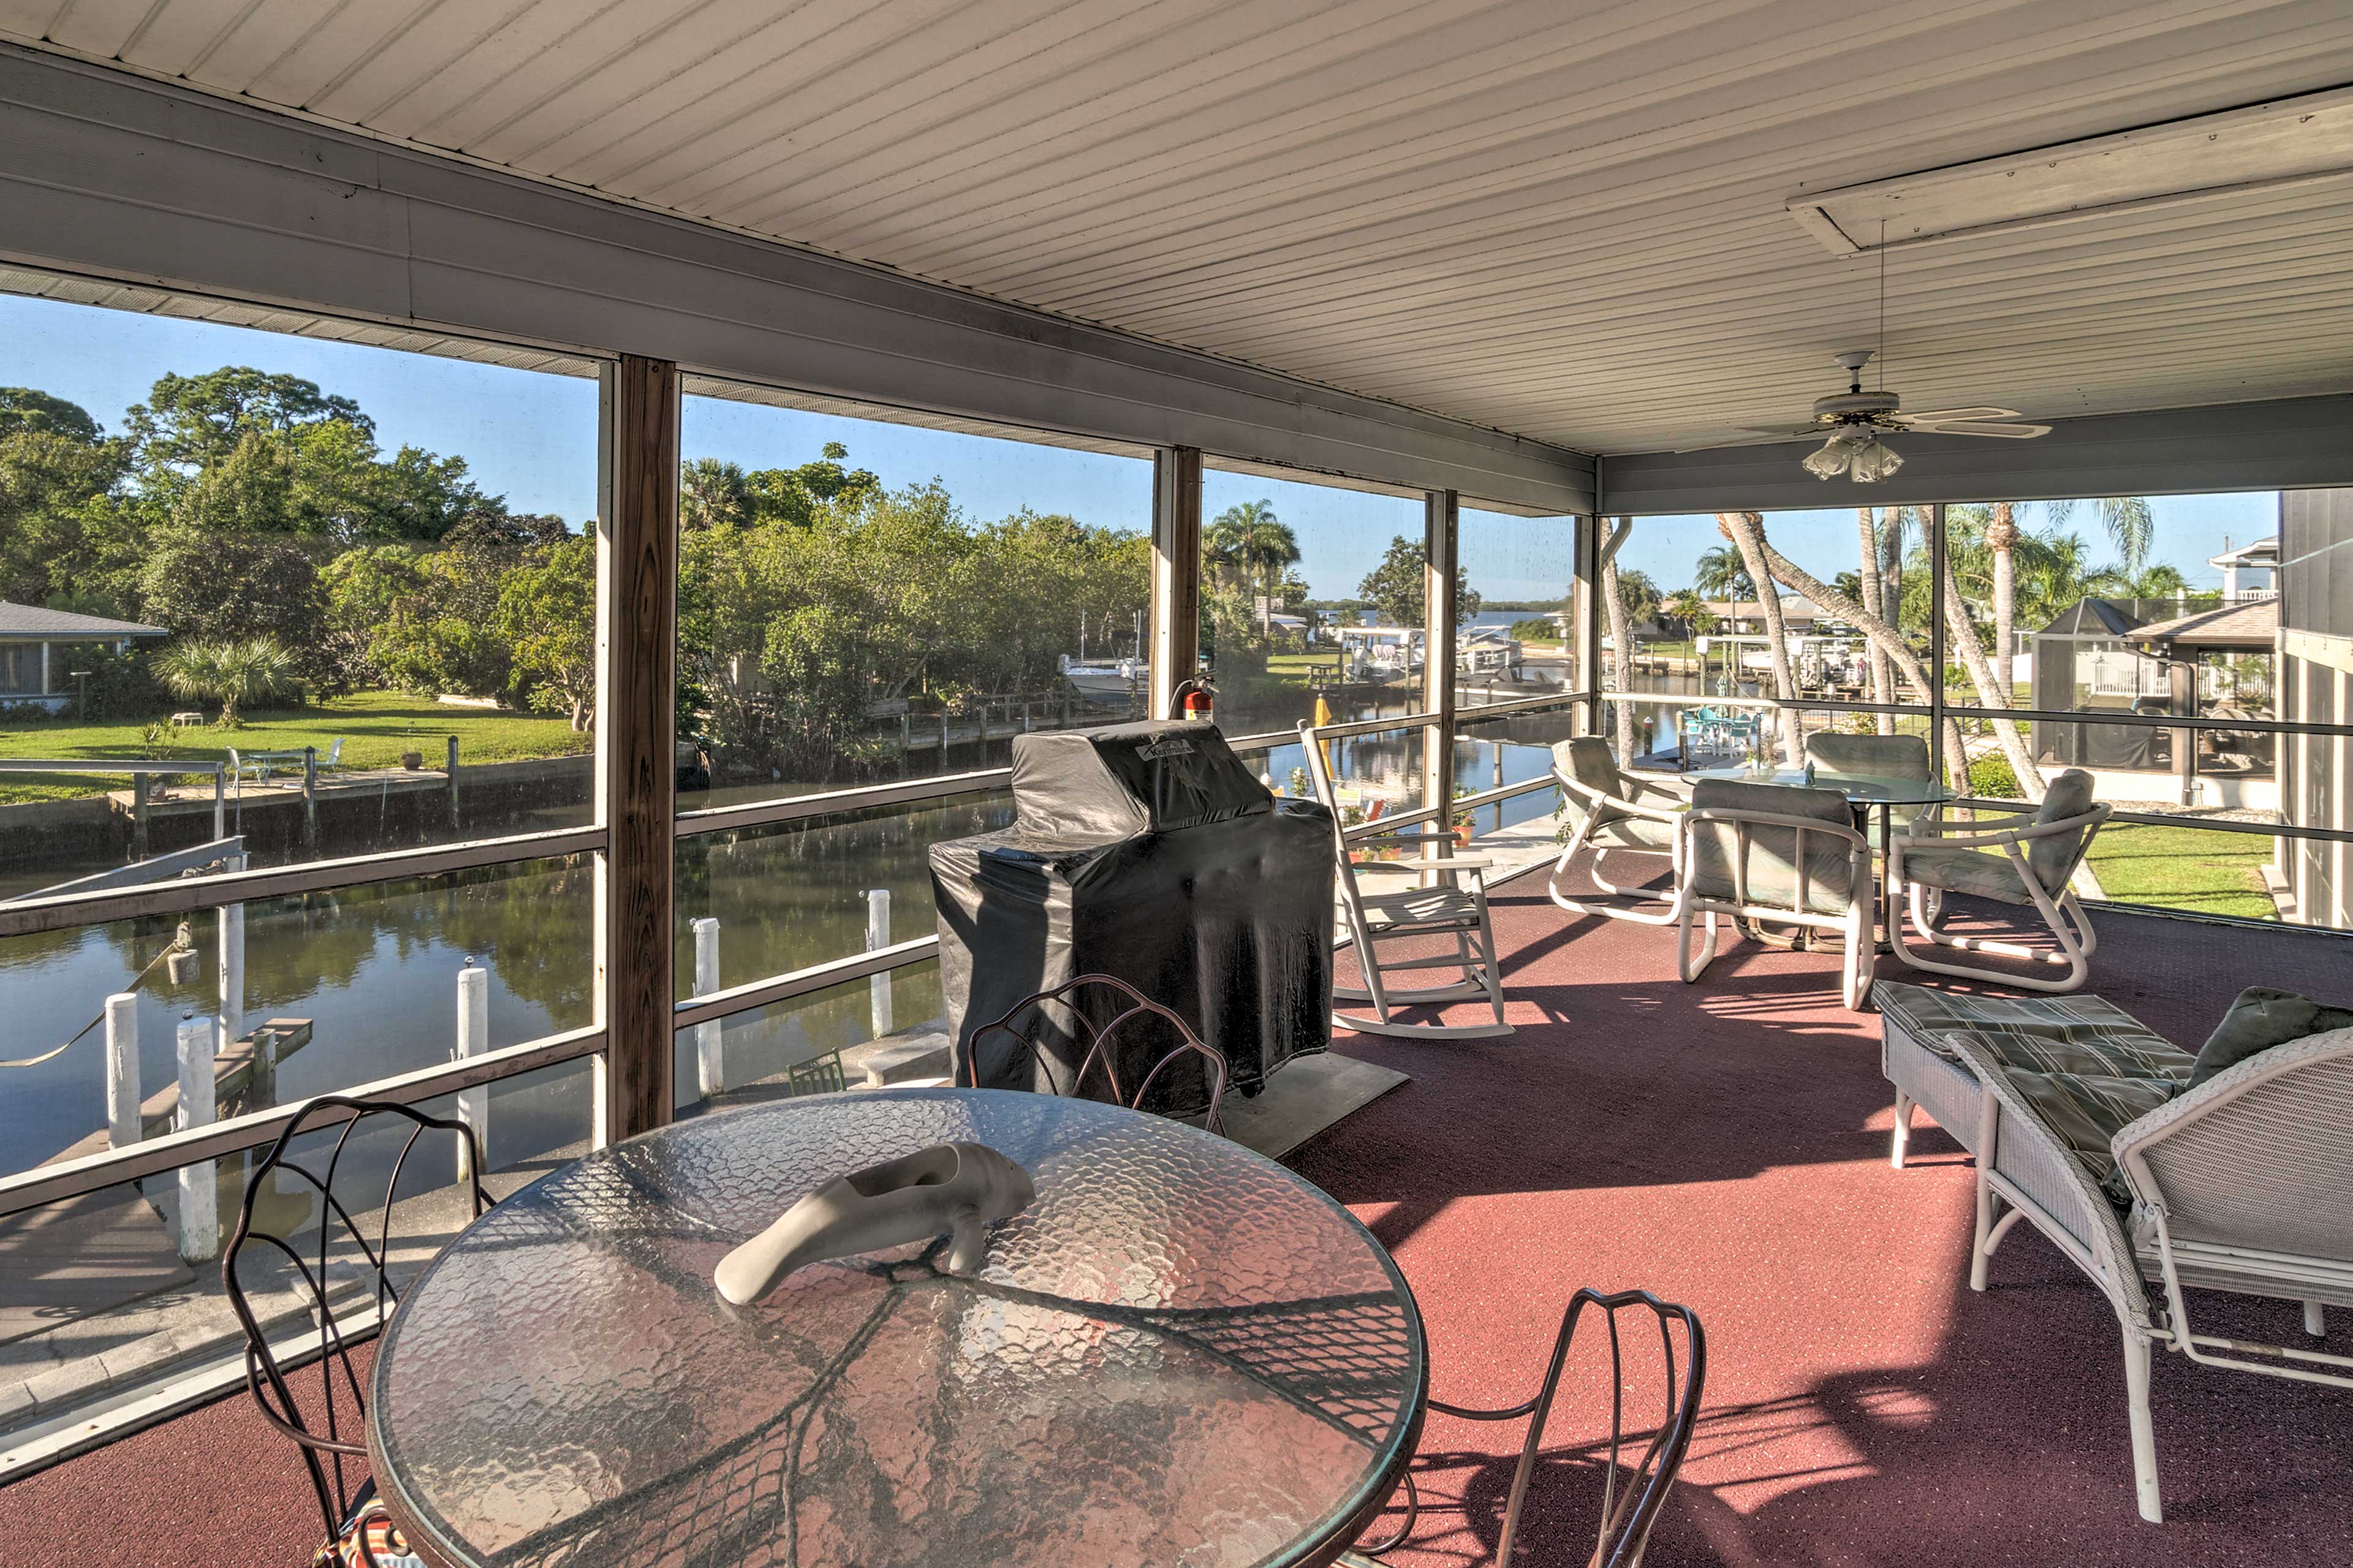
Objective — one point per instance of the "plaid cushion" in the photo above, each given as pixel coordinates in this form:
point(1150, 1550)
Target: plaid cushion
point(2078, 1034)
point(2086, 1109)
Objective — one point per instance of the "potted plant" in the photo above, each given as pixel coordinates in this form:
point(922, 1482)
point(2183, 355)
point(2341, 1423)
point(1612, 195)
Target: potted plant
point(412, 761)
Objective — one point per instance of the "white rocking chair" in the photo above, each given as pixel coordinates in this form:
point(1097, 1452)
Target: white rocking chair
point(1613, 816)
point(1453, 904)
point(2040, 852)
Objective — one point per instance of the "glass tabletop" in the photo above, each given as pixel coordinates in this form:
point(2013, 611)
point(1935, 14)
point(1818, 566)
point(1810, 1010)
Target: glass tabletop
point(1860, 789)
point(1179, 1353)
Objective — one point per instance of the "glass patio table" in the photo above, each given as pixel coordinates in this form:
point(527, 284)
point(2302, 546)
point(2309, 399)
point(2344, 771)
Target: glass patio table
point(1863, 792)
point(1180, 1351)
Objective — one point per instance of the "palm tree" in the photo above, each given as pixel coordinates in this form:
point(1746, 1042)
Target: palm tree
point(2001, 539)
point(1687, 609)
point(1747, 532)
point(1867, 581)
point(1249, 538)
point(2127, 520)
point(1720, 573)
point(235, 671)
point(713, 494)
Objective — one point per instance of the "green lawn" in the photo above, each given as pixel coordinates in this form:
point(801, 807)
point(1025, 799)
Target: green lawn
point(376, 727)
point(2204, 872)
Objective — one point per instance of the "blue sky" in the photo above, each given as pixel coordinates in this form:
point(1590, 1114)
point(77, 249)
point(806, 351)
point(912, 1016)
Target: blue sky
point(532, 438)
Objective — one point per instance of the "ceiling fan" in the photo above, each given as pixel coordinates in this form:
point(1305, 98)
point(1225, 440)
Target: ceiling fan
point(1855, 419)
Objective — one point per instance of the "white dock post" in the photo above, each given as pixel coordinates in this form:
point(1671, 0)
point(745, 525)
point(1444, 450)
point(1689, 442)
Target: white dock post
point(473, 1040)
point(878, 935)
point(710, 1040)
point(122, 1071)
point(199, 1181)
point(229, 927)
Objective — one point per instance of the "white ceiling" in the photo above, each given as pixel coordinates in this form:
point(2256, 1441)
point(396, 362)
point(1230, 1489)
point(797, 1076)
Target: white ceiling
point(1566, 220)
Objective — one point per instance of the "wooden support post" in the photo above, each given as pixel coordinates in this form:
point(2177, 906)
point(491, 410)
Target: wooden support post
point(878, 935)
point(710, 1038)
point(228, 968)
point(200, 1179)
point(310, 799)
point(122, 1123)
point(138, 816)
point(1441, 519)
point(455, 830)
point(1176, 573)
point(636, 698)
point(473, 1040)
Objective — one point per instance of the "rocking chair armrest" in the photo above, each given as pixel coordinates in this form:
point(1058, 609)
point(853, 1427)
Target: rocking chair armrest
point(1946, 835)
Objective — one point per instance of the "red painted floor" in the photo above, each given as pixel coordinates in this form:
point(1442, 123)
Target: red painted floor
point(1724, 1145)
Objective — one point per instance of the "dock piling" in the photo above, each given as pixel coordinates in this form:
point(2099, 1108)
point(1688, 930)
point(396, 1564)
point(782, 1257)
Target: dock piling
point(229, 928)
point(310, 799)
point(454, 827)
point(139, 816)
point(473, 1040)
point(709, 1038)
point(878, 935)
point(122, 1096)
point(200, 1179)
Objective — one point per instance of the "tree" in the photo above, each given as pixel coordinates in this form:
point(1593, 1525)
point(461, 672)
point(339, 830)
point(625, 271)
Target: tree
point(234, 589)
point(238, 672)
point(547, 613)
point(2001, 539)
point(189, 423)
point(1747, 532)
point(1869, 591)
point(1688, 611)
point(24, 410)
point(1257, 545)
point(67, 539)
point(2127, 519)
point(1621, 634)
point(1721, 574)
point(713, 494)
point(1396, 590)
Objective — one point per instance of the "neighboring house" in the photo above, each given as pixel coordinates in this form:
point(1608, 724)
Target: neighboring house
point(2262, 557)
point(1747, 616)
point(2316, 685)
point(36, 650)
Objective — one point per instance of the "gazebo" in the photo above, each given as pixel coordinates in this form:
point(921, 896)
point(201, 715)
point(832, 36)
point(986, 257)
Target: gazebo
point(31, 668)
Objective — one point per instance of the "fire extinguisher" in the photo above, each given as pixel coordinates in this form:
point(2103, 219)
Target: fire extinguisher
point(1196, 701)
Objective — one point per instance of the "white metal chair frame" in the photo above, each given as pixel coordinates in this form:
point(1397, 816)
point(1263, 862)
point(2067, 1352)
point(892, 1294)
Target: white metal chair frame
point(2022, 1166)
point(1478, 970)
point(2070, 927)
point(1854, 923)
point(1597, 808)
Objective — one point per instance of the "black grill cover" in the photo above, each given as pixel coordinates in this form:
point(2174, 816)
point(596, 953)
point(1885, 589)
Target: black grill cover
point(1147, 852)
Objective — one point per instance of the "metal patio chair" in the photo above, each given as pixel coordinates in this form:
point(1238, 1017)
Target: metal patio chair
point(1628, 1510)
point(1774, 853)
point(1133, 1004)
point(1446, 903)
point(344, 1290)
point(1614, 816)
point(2040, 852)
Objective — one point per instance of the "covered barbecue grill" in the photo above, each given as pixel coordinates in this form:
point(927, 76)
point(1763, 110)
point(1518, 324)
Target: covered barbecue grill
point(1150, 853)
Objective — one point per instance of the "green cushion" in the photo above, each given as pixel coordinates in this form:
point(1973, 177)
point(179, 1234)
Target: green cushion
point(2053, 858)
point(1958, 868)
point(1589, 761)
point(2077, 1034)
point(1771, 864)
point(1876, 756)
point(2259, 1020)
point(2087, 1110)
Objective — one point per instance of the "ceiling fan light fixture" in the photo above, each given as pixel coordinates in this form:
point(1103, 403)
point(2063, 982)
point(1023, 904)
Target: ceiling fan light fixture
point(1873, 461)
point(1831, 460)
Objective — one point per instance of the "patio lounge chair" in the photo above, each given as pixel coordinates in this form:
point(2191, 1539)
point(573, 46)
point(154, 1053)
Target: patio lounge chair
point(1768, 852)
point(1876, 756)
point(2040, 853)
point(2083, 1123)
point(1447, 902)
point(1612, 814)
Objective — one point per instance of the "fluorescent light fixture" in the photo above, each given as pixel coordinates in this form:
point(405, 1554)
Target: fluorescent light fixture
point(2291, 141)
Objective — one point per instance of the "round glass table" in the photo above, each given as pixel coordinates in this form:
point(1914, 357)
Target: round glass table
point(1179, 1353)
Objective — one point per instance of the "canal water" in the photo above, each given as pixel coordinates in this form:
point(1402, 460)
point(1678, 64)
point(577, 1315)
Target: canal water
point(375, 969)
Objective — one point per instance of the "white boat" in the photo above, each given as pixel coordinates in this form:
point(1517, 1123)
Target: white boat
point(1381, 653)
point(1106, 682)
point(1487, 652)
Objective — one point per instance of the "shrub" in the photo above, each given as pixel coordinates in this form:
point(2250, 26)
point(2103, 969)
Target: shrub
point(1992, 778)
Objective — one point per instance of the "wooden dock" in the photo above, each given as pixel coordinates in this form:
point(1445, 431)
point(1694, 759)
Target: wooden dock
point(243, 1072)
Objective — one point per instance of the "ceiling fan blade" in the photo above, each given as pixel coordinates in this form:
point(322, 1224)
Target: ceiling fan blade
point(2007, 431)
point(1947, 416)
point(1787, 432)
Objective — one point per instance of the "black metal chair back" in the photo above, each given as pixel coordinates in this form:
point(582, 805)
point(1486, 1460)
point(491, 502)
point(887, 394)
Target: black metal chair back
point(325, 1436)
point(1099, 1040)
point(1631, 1505)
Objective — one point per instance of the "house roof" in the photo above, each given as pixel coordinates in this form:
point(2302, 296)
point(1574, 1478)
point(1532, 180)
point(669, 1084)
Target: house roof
point(1793, 609)
point(2093, 618)
point(2252, 624)
point(63, 626)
